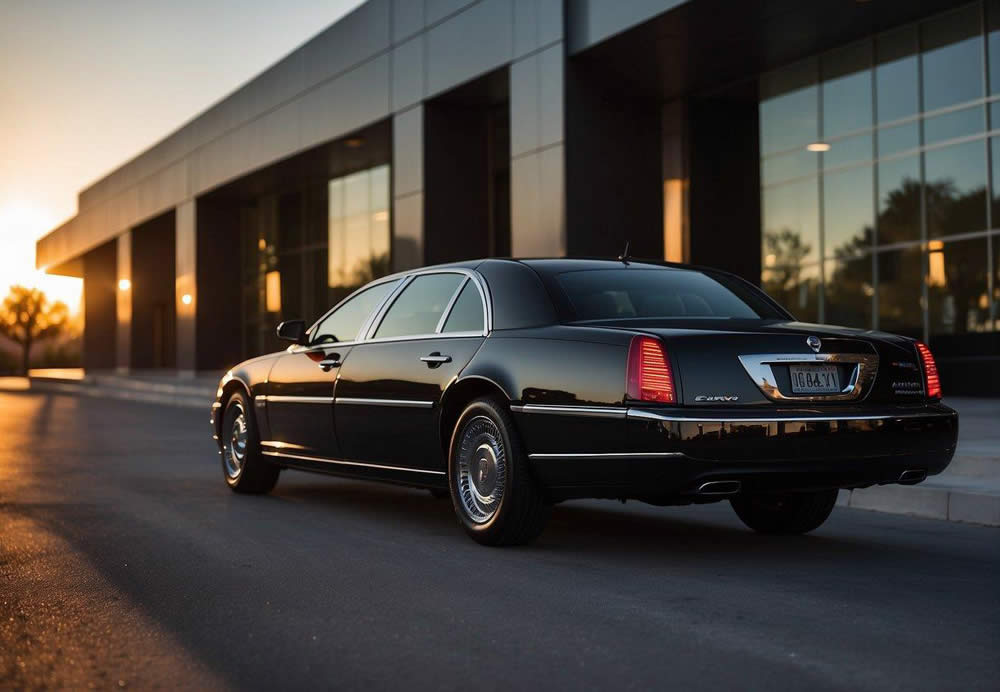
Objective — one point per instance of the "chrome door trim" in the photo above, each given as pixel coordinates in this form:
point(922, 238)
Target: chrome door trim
point(605, 455)
point(405, 403)
point(646, 415)
point(281, 445)
point(341, 462)
point(585, 411)
point(758, 367)
point(450, 305)
point(281, 398)
point(364, 326)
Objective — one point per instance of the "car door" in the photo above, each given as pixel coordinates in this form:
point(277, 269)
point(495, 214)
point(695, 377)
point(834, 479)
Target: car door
point(299, 400)
point(389, 391)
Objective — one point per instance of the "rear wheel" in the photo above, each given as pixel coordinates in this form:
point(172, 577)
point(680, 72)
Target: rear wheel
point(497, 500)
point(243, 466)
point(785, 513)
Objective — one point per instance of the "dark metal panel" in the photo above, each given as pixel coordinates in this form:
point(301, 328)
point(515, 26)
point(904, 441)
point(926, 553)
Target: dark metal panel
point(475, 41)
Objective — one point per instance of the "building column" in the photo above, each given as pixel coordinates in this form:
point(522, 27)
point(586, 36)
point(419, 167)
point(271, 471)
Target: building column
point(185, 286)
point(537, 166)
point(676, 183)
point(408, 188)
point(123, 305)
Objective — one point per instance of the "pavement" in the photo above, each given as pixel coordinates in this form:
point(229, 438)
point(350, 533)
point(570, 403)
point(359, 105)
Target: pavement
point(125, 562)
point(968, 491)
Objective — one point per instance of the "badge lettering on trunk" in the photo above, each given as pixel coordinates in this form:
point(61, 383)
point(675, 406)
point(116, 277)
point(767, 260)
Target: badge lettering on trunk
point(723, 397)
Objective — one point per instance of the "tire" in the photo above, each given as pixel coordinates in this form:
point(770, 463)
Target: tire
point(243, 466)
point(486, 456)
point(785, 513)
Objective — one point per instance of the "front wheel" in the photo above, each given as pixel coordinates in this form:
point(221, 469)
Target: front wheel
point(497, 500)
point(243, 466)
point(785, 513)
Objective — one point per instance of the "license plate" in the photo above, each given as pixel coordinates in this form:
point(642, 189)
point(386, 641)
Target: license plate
point(814, 379)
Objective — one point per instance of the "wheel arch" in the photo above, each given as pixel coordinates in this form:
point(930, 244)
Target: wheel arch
point(457, 396)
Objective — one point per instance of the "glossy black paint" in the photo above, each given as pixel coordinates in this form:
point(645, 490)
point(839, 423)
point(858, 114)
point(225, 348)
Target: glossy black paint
point(389, 415)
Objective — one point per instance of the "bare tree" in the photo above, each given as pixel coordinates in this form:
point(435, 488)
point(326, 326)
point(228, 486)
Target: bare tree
point(27, 316)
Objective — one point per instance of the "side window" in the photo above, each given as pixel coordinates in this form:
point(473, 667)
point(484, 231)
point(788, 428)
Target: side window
point(346, 321)
point(467, 313)
point(418, 309)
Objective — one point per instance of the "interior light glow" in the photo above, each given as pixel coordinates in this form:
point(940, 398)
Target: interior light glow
point(124, 284)
point(818, 146)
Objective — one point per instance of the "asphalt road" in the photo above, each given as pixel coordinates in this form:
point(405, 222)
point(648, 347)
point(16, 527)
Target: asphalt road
point(126, 562)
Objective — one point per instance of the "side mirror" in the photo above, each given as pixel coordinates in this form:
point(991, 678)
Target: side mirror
point(292, 330)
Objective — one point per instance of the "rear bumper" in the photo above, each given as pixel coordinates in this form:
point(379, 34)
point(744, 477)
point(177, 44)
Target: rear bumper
point(670, 453)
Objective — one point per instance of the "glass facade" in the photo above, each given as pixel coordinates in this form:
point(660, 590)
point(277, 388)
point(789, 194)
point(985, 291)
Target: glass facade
point(305, 249)
point(880, 197)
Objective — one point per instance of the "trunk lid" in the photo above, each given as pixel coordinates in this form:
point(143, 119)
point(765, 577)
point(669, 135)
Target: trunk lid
point(733, 363)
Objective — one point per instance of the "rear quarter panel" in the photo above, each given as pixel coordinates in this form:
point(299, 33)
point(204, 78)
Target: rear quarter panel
point(559, 366)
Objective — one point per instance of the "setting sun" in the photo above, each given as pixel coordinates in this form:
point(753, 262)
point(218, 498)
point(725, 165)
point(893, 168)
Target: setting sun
point(20, 226)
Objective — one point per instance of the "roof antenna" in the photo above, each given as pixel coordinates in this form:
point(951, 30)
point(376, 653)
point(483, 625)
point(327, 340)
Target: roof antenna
point(624, 257)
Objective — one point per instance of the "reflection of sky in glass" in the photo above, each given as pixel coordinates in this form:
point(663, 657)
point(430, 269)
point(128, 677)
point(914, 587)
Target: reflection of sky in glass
point(788, 121)
point(848, 150)
point(847, 99)
point(964, 165)
point(892, 140)
point(787, 166)
point(896, 75)
point(952, 61)
point(847, 208)
point(968, 121)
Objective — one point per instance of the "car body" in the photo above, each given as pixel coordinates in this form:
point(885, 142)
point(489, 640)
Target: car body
point(621, 379)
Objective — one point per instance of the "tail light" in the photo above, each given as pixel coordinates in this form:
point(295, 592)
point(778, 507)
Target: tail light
point(648, 376)
point(932, 383)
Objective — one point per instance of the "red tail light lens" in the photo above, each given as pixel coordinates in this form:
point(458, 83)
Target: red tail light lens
point(648, 375)
point(932, 383)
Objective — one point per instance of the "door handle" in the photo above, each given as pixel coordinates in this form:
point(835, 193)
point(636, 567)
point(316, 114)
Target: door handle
point(435, 359)
point(328, 364)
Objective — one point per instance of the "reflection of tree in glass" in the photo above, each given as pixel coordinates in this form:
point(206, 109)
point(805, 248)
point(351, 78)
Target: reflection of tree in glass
point(364, 271)
point(782, 279)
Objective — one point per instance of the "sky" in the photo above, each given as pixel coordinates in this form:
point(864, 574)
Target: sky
point(85, 85)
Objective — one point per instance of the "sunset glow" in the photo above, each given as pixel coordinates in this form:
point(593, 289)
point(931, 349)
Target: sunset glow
point(20, 226)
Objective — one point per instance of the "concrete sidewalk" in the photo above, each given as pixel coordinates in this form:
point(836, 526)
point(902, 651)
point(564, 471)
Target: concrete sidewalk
point(969, 491)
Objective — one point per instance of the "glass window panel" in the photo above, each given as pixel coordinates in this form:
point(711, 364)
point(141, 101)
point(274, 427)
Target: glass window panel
point(899, 292)
point(789, 102)
point(848, 213)
point(995, 115)
point(892, 140)
point(346, 321)
point(968, 121)
point(952, 58)
point(993, 22)
point(995, 156)
point(419, 307)
point(775, 169)
point(896, 82)
point(849, 150)
point(467, 313)
point(899, 200)
point(796, 288)
point(995, 241)
point(956, 189)
point(848, 291)
point(847, 90)
point(956, 286)
point(791, 223)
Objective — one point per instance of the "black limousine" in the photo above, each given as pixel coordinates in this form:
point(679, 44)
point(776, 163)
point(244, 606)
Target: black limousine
point(510, 385)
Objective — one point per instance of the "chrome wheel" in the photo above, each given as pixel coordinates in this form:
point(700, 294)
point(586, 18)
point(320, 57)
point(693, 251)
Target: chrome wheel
point(234, 452)
point(481, 469)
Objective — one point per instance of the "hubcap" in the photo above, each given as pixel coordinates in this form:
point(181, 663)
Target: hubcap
point(235, 449)
point(481, 469)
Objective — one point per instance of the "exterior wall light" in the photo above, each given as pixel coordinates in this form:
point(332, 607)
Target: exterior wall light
point(124, 284)
point(187, 299)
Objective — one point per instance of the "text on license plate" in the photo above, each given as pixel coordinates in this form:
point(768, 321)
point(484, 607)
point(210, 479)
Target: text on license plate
point(814, 379)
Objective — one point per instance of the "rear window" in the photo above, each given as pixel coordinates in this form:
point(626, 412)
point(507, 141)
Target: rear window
point(602, 294)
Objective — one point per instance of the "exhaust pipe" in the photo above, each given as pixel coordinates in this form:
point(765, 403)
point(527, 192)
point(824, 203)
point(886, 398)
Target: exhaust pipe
point(912, 476)
point(719, 488)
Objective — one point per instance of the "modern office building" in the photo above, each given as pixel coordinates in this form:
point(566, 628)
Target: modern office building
point(841, 153)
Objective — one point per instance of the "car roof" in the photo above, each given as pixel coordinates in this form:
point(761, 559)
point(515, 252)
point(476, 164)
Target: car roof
point(558, 265)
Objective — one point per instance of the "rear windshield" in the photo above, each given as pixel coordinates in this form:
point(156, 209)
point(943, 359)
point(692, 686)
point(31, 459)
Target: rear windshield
point(602, 294)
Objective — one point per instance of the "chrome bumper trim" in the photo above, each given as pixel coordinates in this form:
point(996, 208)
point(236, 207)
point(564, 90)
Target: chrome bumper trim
point(643, 414)
point(340, 462)
point(585, 411)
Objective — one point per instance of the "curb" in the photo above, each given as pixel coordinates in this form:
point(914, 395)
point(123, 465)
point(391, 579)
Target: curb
point(931, 500)
point(181, 397)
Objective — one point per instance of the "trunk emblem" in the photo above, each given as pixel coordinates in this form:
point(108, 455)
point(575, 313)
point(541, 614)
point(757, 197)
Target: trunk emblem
point(814, 343)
